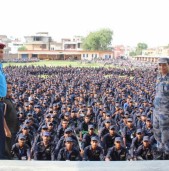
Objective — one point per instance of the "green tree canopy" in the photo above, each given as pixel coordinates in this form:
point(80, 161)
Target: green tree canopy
point(98, 40)
point(22, 48)
point(140, 47)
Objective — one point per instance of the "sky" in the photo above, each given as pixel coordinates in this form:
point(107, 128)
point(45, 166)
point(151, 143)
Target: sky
point(132, 21)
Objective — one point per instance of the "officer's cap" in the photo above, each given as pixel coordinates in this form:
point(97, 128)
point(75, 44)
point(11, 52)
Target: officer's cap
point(68, 130)
point(46, 134)
point(138, 114)
point(108, 114)
point(94, 139)
point(37, 106)
point(143, 114)
point(21, 136)
point(148, 119)
point(146, 138)
point(112, 127)
point(107, 121)
point(163, 61)
point(139, 131)
point(129, 120)
point(91, 127)
point(118, 139)
point(67, 114)
point(69, 139)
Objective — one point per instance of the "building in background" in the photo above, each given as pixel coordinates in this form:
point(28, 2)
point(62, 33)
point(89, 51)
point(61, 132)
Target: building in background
point(158, 51)
point(72, 44)
point(39, 41)
point(14, 45)
point(65, 54)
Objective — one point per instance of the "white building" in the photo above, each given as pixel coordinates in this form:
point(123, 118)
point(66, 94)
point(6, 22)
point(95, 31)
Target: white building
point(72, 44)
point(14, 45)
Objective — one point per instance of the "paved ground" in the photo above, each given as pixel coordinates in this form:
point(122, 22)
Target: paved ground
point(83, 166)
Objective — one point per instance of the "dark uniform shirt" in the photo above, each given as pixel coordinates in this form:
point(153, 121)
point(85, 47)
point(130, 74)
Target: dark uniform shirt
point(43, 153)
point(108, 141)
point(117, 155)
point(134, 146)
point(11, 116)
point(64, 154)
point(20, 153)
point(87, 139)
point(145, 153)
point(93, 155)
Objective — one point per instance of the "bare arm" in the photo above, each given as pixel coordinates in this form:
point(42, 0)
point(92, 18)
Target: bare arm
point(7, 131)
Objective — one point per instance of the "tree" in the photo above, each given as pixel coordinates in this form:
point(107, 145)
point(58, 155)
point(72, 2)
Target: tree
point(140, 48)
point(98, 40)
point(133, 53)
point(22, 48)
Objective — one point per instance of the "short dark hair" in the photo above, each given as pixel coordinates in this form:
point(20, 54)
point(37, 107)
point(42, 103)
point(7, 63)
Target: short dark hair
point(8, 82)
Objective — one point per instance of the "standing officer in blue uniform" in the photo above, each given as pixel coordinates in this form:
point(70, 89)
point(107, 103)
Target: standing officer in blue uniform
point(3, 91)
point(161, 108)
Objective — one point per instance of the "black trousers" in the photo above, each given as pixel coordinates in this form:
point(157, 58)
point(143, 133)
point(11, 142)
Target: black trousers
point(2, 132)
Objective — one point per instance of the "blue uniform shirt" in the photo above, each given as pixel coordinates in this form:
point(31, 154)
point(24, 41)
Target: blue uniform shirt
point(3, 85)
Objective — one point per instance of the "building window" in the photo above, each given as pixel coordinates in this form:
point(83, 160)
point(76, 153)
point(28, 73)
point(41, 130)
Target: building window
point(43, 46)
point(83, 55)
point(86, 55)
point(95, 55)
point(37, 39)
point(92, 55)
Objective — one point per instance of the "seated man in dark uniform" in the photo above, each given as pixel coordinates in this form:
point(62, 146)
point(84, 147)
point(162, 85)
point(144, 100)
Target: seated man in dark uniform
point(44, 150)
point(109, 138)
point(118, 152)
point(20, 150)
point(145, 151)
point(93, 152)
point(69, 152)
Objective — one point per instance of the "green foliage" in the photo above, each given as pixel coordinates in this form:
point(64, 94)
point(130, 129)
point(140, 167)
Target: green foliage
point(133, 53)
point(22, 48)
point(139, 48)
point(98, 40)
